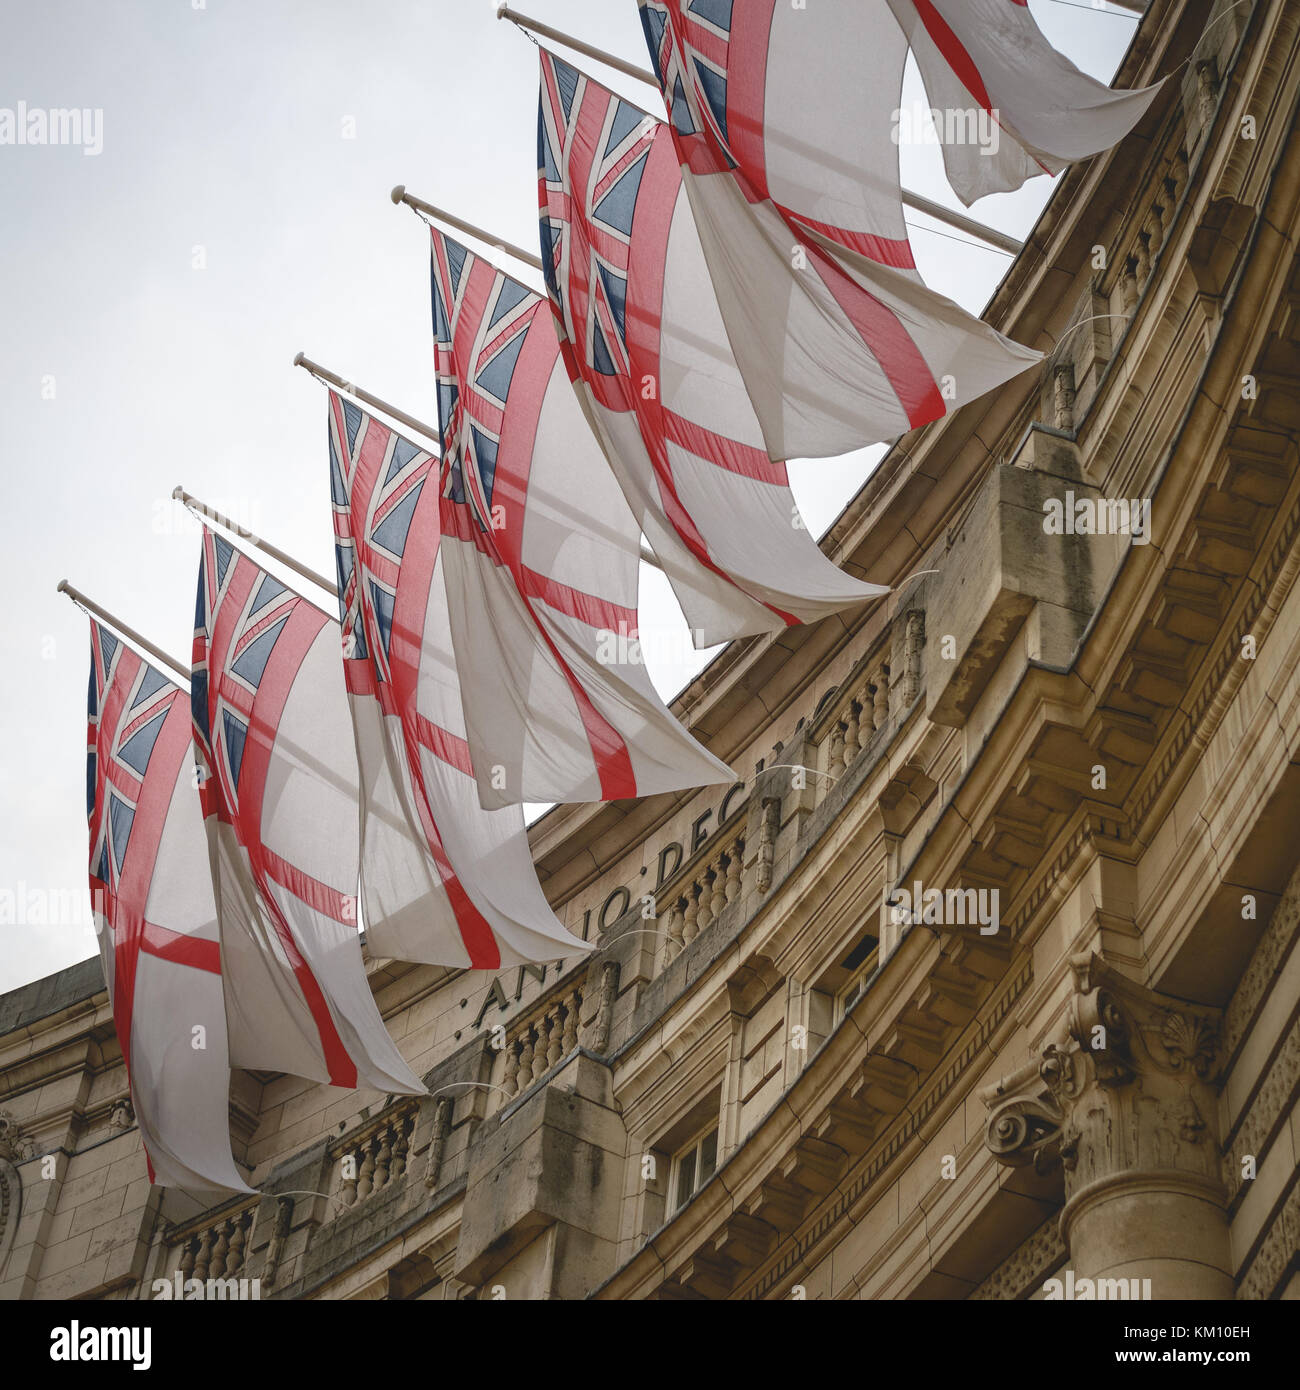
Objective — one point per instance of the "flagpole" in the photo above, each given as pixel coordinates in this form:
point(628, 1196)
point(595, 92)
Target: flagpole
point(315, 369)
point(558, 36)
point(915, 201)
point(325, 374)
point(919, 203)
point(399, 195)
point(235, 529)
point(129, 633)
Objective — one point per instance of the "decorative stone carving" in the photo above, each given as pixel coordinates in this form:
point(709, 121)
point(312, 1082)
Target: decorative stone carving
point(122, 1115)
point(1207, 82)
point(1126, 1104)
point(15, 1144)
point(1025, 1126)
point(15, 1148)
point(1122, 1038)
point(1283, 927)
point(275, 1246)
point(1129, 287)
point(1025, 1269)
point(1063, 396)
point(913, 642)
point(438, 1141)
point(1272, 1261)
point(768, 826)
point(11, 1207)
point(597, 1039)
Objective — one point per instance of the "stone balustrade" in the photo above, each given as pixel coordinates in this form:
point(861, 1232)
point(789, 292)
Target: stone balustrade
point(698, 899)
point(374, 1158)
point(863, 709)
point(218, 1250)
point(534, 1043)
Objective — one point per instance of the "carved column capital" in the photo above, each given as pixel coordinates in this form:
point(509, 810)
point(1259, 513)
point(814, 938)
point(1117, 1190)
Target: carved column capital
point(1131, 1031)
point(1128, 1090)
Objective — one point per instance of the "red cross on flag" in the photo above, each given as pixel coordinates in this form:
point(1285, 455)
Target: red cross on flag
point(541, 557)
point(155, 918)
point(442, 880)
point(986, 63)
point(839, 344)
point(803, 98)
point(279, 795)
point(645, 344)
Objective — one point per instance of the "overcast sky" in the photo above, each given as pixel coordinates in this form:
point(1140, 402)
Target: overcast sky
point(152, 297)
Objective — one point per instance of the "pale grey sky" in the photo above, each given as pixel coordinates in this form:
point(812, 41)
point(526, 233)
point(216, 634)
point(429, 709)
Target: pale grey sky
point(152, 297)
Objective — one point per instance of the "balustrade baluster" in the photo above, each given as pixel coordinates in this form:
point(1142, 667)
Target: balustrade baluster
point(402, 1146)
point(837, 749)
point(203, 1259)
point(880, 699)
point(510, 1076)
point(383, 1157)
point(555, 1042)
point(525, 1059)
point(572, 1009)
point(851, 725)
point(539, 1050)
point(238, 1235)
point(703, 910)
point(673, 931)
point(691, 916)
point(719, 899)
point(735, 859)
point(366, 1177)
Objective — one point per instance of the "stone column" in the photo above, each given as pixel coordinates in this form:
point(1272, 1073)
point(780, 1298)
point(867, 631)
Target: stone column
point(1127, 1106)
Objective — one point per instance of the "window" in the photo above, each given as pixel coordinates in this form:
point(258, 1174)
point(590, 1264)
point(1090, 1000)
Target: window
point(694, 1166)
point(850, 996)
point(861, 961)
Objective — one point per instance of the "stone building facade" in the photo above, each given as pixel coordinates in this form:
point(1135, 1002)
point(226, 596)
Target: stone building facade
point(767, 1083)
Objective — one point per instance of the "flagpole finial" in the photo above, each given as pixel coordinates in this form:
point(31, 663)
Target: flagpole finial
point(299, 358)
point(398, 193)
point(61, 587)
point(178, 493)
point(501, 6)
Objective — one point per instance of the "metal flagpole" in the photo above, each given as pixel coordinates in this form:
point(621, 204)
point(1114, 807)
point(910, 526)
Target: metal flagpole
point(129, 633)
point(558, 36)
point(325, 374)
point(257, 542)
point(919, 203)
point(302, 360)
point(399, 195)
point(915, 201)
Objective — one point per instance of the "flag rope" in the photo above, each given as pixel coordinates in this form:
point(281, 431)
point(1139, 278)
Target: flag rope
point(329, 378)
point(201, 509)
point(92, 610)
point(424, 211)
point(209, 514)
